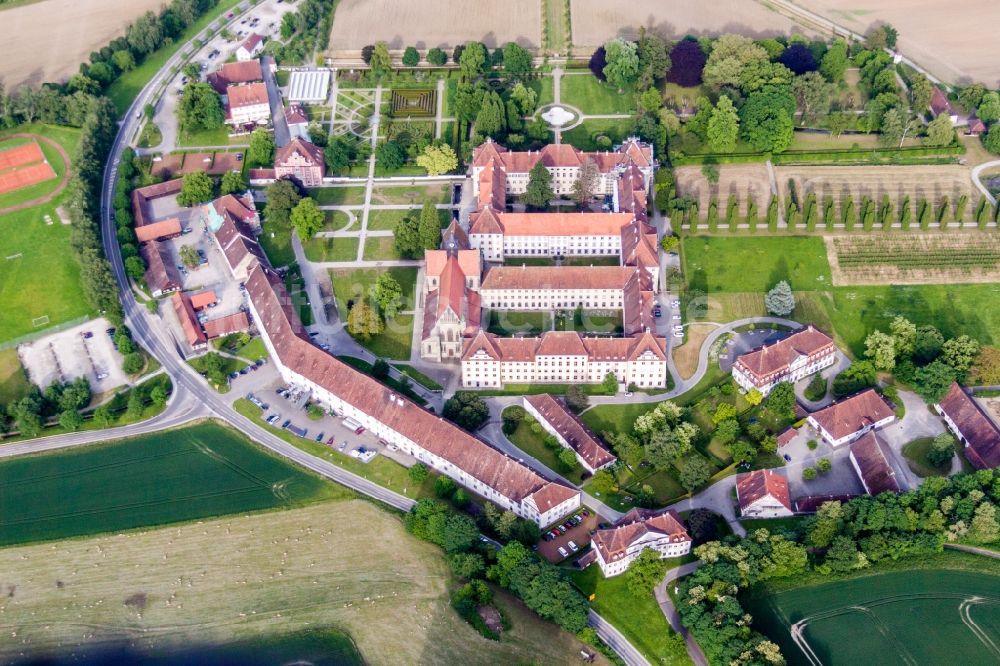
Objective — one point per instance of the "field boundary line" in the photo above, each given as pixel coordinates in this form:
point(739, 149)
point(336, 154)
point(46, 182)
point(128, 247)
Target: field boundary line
point(63, 182)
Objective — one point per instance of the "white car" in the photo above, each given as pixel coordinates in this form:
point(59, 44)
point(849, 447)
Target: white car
point(677, 317)
point(573, 546)
point(562, 551)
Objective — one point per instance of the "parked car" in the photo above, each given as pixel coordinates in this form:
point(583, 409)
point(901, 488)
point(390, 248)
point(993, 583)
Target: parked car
point(87, 335)
point(319, 437)
point(330, 441)
point(562, 551)
point(285, 424)
point(573, 546)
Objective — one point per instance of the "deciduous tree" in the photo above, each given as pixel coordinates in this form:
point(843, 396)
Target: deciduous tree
point(196, 188)
point(687, 61)
point(539, 190)
point(622, 68)
point(380, 62)
point(723, 126)
point(282, 197)
point(307, 218)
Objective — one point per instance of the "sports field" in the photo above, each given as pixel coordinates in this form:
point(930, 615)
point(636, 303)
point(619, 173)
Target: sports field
point(906, 617)
point(277, 580)
point(194, 472)
point(39, 279)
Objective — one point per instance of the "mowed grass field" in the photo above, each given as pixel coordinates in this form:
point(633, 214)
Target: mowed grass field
point(914, 617)
point(194, 472)
point(38, 274)
point(269, 579)
point(591, 96)
point(736, 272)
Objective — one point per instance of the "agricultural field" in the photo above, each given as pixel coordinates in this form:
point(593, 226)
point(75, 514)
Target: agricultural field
point(82, 27)
point(887, 617)
point(736, 180)
point(403, 23)
point(595, 22)
point(928, 32)
point(971, 257)
point(40, 283)
point(264, 582)
point(932, 183)
point(170, 476)
point(736, 272)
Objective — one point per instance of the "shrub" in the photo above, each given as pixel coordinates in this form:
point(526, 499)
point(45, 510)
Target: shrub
point(816, 390)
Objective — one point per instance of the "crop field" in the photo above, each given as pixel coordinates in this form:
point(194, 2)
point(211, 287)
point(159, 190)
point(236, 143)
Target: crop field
point(910, 617)
point(914, 258)
point(595, 22)
point(928, 32)
point(403, 23)
point(736, 180)
point(931, 183)
point(312, 580)
point(82, 26)
point(170, 476)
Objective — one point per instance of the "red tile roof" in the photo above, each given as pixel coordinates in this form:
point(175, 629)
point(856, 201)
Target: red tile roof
point(558, 277)
point(853, 414)
point(161, 272)
point(237, 243)
point(167, 228)
point(563, 343)
point(578, 436)
point(614, 542)
point(980, 432)
point(296, 115)
point(239, 206)
point(234, 323)
point(250, 94)
point(432, 433)
point(203, 299)
point(188, 319)
point(560, 155)
point(141, 196)
point(940, 103)
point(235, 72)
point(251, 42)
point(493, 186)
point(876, 472)
point(561, 224)
point(775, 358)
point(761, 483)
point(312, 154)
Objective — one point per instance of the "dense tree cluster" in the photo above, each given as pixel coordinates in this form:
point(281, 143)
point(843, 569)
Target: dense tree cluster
point(467, 409)
point(921, 357)
point(838, 540)
point(304, 31)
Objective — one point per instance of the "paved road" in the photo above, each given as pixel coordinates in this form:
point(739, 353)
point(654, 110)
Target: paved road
point(282, 135)
point(976, 171)
point(673, 617)
point(616, 641)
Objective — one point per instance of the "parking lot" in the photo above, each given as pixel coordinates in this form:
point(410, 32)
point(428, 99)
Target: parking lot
point(82, 351)
point(284, 406)
point(269, 14)
point(579, 535)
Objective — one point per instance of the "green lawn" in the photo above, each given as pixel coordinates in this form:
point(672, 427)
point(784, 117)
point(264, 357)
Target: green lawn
point(887, 617)
point(337, 196)
point(129, 84)
point(349, 284)
point(13, 380)
point(715, 263)
point(591, 96)
point(295, 286)
point(253, 350)
point(38, 275)
point(532, 444)
point(411, 194)
point(543, 87)
point(336, 220)
point(418, 377)
point(277, 245)
point(916, 452)
point(639, 618)
point(65, 136)
point(380, 248)
point(508, 322)
point(381, 470)
point(216, 137)
point(584, 136)
point(193, 472)
point(386, 220)
point(327, 248)
point(150, 136)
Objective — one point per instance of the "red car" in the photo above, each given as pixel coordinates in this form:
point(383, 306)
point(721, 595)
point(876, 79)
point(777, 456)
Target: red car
point(330, 441)
point(359, 430)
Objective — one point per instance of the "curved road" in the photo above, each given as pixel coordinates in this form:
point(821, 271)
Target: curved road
point(673, 617)
point(976, 170)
